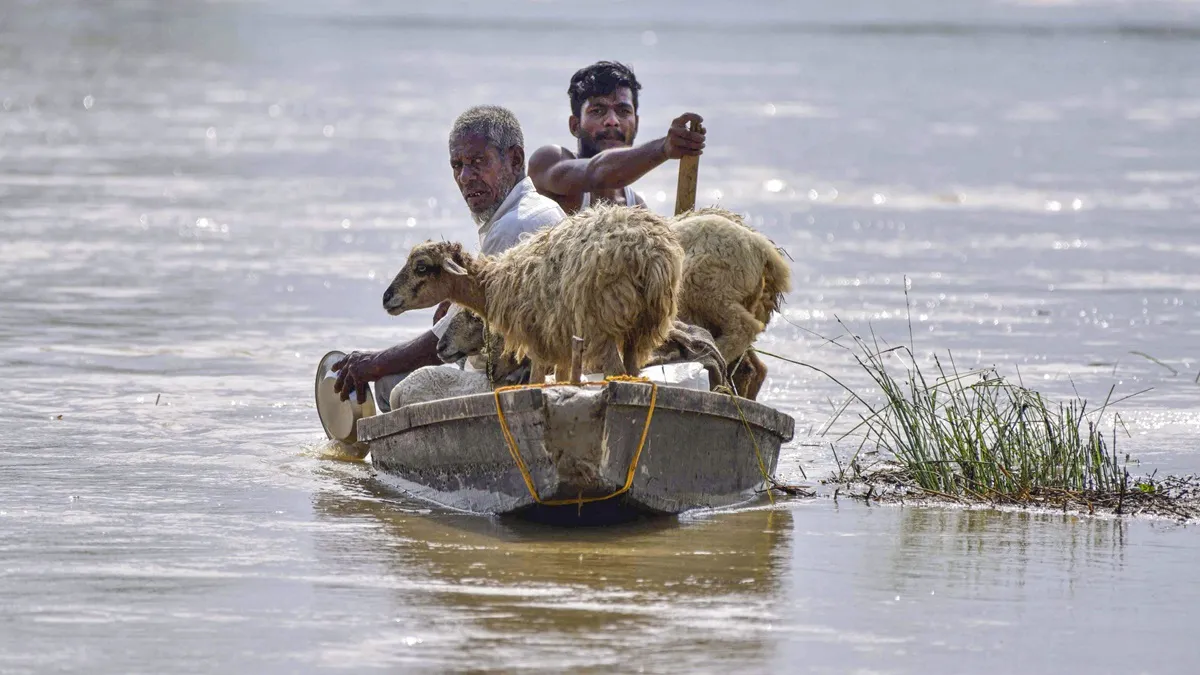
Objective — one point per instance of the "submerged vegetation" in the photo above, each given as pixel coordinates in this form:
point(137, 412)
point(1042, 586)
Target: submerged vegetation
point(975, 437)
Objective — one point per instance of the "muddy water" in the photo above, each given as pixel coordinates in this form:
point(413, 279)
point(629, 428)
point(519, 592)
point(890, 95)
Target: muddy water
point(197, 200)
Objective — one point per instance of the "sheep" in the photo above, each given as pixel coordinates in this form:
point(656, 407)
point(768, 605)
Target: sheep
point(609, 274)
point(436, 382)
point(734, 279)
point(464, 337)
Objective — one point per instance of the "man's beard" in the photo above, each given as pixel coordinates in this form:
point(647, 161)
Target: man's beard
point(482, 216)
point(588, 147)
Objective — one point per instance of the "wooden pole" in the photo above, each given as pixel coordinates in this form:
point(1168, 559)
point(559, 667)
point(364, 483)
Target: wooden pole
point(576, 359)
point(689, 173)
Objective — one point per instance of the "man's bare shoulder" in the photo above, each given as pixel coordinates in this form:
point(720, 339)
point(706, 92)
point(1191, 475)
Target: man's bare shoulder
point(547, 156)
point(541, 166)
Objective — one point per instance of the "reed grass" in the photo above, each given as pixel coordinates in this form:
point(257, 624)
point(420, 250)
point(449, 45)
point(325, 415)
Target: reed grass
point(975, 436)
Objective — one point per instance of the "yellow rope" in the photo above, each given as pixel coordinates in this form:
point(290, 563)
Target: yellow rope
point(732, 371)
point(762, 467)
point(580, 500)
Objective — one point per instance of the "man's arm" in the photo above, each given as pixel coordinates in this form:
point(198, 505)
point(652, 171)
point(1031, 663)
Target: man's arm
point(359, 368)
point(555, 171)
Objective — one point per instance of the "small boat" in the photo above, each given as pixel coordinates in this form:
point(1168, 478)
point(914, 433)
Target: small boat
point(570, 452)
point(604, 453)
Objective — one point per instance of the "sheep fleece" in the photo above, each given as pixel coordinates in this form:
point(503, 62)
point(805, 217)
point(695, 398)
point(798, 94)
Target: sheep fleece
point(608, 273)
point(733, 280)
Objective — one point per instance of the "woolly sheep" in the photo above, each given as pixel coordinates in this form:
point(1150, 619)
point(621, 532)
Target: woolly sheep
point(464, 337)
point(734, 280)
point(608, 274)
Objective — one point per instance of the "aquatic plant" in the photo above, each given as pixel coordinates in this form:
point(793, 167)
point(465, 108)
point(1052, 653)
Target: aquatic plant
point(973, 436)
point(976, 434)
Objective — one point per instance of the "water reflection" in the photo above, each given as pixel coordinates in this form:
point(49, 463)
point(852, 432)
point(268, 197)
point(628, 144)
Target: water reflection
point(703, 590)
point(1003, 554)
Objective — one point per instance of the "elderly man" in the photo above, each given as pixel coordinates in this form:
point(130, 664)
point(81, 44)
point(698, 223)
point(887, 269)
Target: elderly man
point(604, 120)
point(487, 155)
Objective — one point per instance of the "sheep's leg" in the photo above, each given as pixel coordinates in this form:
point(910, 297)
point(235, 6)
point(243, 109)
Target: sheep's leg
point(629, 360)
point(537, 371)
point(747, 375)
point(737, 329)
point(741, 376)
point(576, 363)
point(613, 364)
point(756, 379)
point(562, 372)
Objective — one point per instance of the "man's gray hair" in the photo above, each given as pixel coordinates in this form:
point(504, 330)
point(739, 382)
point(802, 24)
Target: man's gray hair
point(498, 125)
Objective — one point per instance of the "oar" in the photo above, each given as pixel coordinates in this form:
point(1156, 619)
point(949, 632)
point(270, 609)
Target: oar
point(689, 172)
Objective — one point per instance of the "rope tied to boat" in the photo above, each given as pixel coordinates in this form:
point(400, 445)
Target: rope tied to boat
point(733, 394)
point(580, 500)
point(762, 466)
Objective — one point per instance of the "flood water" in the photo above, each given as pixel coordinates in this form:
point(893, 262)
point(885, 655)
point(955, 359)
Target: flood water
point(199, 199)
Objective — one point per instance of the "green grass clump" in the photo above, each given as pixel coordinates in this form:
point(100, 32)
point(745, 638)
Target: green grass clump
point(975, 434)
point(976, 437)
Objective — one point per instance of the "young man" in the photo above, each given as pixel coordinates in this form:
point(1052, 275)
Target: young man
point(487, 155)
point(604, 120)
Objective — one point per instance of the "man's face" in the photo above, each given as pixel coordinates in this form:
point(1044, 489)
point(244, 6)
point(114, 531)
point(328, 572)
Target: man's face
point(484, 174)
point(605, 122)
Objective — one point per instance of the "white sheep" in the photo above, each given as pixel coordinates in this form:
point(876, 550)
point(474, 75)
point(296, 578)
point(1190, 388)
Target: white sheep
point(734, 279)
point(436, 382)
point(608, 274)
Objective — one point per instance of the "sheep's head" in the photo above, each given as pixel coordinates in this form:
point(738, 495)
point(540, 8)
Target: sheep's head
point(463, 337)
point(427, 277)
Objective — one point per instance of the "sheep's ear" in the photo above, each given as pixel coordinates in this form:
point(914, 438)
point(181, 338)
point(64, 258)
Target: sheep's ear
point(453, 267)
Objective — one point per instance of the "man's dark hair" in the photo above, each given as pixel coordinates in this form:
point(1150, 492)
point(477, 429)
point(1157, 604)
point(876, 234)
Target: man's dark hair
point(601, 79)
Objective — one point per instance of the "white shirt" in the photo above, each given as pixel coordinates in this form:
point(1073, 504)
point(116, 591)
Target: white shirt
point(523, 210)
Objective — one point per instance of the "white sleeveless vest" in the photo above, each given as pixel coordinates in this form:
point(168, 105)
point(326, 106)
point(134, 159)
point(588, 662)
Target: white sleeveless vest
point(630, 198)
